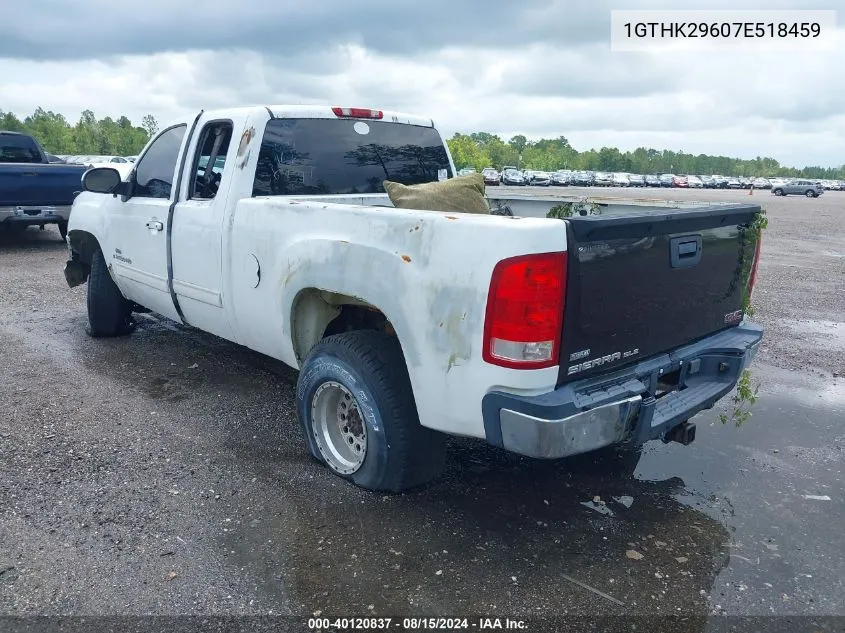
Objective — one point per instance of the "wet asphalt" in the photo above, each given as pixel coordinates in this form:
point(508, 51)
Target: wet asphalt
point(164, 473)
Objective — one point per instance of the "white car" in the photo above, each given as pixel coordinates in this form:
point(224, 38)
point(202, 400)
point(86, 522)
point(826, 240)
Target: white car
point(620, 180)
point(409, 324)
point(694, 182)
point(540, 179)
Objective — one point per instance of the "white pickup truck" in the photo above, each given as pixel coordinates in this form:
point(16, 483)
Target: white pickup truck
point(269, 227)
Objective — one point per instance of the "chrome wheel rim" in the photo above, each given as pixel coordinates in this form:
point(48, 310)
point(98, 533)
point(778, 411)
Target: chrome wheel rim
point(339, 428)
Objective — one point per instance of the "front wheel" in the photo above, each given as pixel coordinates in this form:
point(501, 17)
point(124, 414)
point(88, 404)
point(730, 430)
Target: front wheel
point(358, 413)
point(109, 313)
point(778, 192)
point(63, 231)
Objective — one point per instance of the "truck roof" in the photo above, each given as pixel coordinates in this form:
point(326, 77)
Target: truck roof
point(283, 111)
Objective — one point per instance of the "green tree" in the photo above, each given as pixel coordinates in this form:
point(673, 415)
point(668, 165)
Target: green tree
point(478, 149)
point(150, 125)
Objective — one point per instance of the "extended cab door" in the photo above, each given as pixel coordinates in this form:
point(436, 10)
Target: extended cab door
point(139, 225)
point(197, 232)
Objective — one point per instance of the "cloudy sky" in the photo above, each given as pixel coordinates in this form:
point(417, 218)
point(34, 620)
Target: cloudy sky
point(542, 68)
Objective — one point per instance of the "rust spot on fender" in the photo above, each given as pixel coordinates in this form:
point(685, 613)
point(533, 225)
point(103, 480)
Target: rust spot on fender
point(246, 138)
point(406, 258)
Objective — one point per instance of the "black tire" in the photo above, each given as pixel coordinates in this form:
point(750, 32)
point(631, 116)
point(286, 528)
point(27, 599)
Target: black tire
point(63, 230)
point(810, 193)
point(109, 313)
point(400, 453)
point(778, 192)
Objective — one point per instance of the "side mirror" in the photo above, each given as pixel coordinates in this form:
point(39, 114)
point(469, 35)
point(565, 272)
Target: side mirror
point(101, 180)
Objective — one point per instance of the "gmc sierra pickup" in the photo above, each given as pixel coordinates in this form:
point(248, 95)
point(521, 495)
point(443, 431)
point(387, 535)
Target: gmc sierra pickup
point(270, 227)
point(34, 191)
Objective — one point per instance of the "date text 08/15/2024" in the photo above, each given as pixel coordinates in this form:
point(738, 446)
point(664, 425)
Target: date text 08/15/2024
point(415, 624)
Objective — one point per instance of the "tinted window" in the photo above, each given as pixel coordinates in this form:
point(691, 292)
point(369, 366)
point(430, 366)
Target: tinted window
point(154, 172)
point(327, 156)
point(18, 148)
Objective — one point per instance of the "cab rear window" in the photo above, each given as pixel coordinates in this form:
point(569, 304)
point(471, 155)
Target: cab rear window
point(17, 148)
point(326, 157)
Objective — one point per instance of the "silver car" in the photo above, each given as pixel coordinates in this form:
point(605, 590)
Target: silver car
point(799, 187)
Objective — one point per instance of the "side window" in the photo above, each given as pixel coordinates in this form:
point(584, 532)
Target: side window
point(155, 170)
point(210, 159)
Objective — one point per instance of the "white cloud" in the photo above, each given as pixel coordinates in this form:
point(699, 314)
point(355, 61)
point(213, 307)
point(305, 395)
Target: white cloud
point(785, 105)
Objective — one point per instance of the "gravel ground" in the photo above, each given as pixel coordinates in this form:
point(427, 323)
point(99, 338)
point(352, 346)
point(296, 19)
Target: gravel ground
point(163, 473)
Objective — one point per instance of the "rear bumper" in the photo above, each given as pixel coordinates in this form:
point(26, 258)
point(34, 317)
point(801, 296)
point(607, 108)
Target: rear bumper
point(29, 215)
point(623, 406)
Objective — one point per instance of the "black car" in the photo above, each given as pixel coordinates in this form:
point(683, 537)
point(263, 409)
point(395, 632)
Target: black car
point(561, 178)
point(667, 180)
point(513, 177)
point(652, 180)
point(583, 179)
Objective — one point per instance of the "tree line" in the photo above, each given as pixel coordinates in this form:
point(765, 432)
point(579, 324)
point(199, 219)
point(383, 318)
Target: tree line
point(481, 149)
point(88, 136)
point(121, 137)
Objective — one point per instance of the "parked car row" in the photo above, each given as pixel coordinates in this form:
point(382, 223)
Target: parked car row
point(95, 159)
point(513, 176)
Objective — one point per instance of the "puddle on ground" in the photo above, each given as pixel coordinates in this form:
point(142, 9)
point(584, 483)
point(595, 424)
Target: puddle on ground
point(498, 534)
point(829, 334)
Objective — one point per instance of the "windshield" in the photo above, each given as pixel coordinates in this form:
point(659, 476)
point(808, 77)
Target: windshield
point(327, 156)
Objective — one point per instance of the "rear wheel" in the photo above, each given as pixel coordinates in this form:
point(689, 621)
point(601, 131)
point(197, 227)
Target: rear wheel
point(359, 416)
point(63, 230)
point(109, 313)
point(810, 193)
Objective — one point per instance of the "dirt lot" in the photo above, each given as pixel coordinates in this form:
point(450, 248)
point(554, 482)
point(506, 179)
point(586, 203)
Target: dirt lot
point(163, 473)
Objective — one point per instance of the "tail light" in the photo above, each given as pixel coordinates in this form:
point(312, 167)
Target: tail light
point(752, 279)
point(524, 319)
point(357, 113)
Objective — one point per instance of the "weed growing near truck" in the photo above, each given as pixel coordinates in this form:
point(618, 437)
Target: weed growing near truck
point(746, 396)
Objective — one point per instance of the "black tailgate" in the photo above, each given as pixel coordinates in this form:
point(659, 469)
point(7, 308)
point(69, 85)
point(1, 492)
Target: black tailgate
point(644, 283)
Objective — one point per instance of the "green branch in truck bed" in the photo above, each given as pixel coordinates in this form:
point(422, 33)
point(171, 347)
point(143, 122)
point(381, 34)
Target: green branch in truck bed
point(568, 209)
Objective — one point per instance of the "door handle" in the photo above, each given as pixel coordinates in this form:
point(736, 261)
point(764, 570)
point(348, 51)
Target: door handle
point(155, 225)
